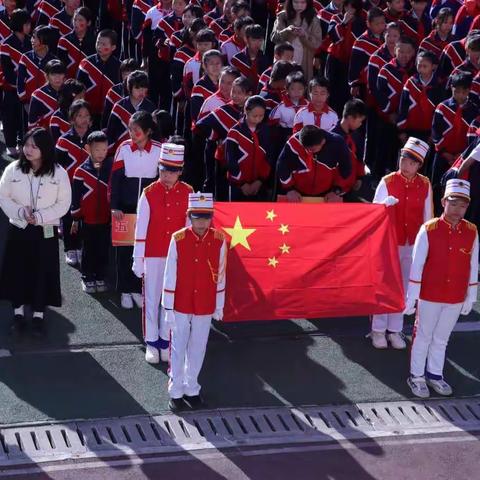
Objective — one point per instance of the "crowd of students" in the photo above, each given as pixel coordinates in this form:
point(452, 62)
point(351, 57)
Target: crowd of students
point(297, 98)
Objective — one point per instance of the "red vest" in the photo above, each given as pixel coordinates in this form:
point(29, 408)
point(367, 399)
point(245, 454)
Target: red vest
point(197, 271)
point(409, 210)
point(168, 213)
point(446, 273)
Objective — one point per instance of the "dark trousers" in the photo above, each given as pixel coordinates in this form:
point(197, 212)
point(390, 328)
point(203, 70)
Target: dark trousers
point(70, 242)
point(127, 282)
point(388, 146)
point(337, 74)
point(96, 244)
point(439, 168)
point(263, 195)
point(13, 119)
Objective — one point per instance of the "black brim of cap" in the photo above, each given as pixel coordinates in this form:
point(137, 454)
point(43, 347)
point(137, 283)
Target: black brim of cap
point(168, 168)
point(200, 215)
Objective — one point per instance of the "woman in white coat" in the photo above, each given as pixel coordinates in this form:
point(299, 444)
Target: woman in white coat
point(34, 194)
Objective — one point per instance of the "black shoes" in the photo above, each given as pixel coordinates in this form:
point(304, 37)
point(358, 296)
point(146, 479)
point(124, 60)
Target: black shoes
point(194, 402)
point(19, 325)
point(39, 328)
point(176, 405)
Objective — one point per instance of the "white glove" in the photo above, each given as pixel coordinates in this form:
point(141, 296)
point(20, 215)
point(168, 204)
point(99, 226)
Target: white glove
point(390, 201)
point(218, 314)
point(170, 318)
point(138, 266)
point(466, 307)
point(410, 306)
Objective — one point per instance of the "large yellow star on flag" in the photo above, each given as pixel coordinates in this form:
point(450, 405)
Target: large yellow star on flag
point(239, 234)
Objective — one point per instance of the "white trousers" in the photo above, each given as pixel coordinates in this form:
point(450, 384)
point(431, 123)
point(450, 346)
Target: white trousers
point(154, 324)
point(433, 326)
point(188, 344)
point(393, 322)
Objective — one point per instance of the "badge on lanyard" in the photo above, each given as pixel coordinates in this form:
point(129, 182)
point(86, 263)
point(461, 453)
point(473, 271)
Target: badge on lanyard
point(48, 231)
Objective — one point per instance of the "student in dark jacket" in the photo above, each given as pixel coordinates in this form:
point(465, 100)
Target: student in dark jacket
point(248, 155)
point(11, 50)
point(91, 212)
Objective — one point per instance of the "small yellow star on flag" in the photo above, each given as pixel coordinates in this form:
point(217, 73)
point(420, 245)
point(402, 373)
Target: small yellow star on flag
point(239, 234)
point(284, 248)
point(273, 262)
point(284, 229)
point(271, 215)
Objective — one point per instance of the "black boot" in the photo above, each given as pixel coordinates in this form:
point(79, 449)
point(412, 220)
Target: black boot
point(195, 401)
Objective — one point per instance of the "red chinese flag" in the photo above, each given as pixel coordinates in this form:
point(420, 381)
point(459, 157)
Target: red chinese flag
point(289, 260)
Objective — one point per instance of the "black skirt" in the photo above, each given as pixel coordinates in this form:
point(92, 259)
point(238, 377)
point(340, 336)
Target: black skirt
point(30, 273)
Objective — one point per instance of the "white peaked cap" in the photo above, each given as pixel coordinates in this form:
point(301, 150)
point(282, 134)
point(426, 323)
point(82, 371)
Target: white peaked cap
point(416, 149)
point(457, 188)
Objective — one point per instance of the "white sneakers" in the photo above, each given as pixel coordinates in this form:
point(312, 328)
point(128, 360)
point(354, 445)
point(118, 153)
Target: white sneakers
point(138, 299)
point(396, 341)
point(418, 386)
point(152, 355)
point(71, 258)
point(440, 386)
point(127, 300)
point(381, 341)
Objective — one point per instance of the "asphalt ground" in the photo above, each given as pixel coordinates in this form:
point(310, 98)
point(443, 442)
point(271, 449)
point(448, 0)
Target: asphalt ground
point(91, 365)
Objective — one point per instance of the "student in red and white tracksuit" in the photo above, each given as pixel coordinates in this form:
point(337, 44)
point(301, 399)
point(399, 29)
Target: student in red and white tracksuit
point(161, 211)
point(444, 279)
point(409, 194)
point(193, 294)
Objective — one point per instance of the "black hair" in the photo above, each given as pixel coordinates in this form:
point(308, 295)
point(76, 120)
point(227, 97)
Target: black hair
point(137, 79)
point(211, 54)
point(354, 108)
point(70, 89)
point(197, 26)
point(255, 101)
point(165, 124)
point(281, 48)
point(404, 40)
point(144, 120)
point(97, 137)
point(461, 80)
point(85, 12)
point(55, 67)
point(394, 25)
point(280, 70)
point(76, 106)
point(129, 65)
point(43, 34)
point(374, 13)
point(318, 82)
point(308, 14)
point(473, 43)
point(356, 4)
point(254, 31)
point(428, 55)
point(176, 139)
point(233, 72)
point(110, 34)
point(18, 19)
point(311, 135)
point(241, 22)
point(195, 10)
point(244, 83)
point(295, 77)
point(43, 140)
point(206, 35)
point(442, 15)
point(240, 5)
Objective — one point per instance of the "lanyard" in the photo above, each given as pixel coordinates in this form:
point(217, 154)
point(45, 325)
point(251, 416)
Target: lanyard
point(33, 198)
